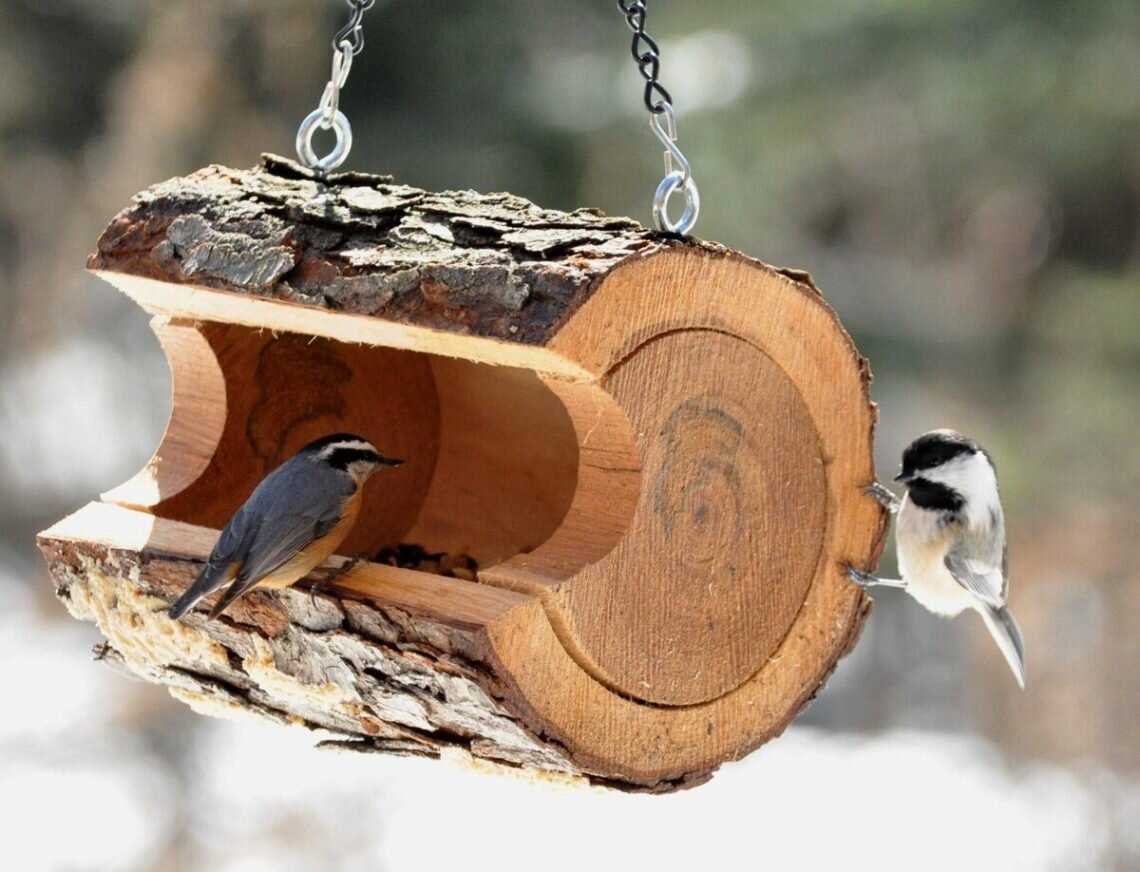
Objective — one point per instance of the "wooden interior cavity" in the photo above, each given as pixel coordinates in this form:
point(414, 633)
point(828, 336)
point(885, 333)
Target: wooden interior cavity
point(491, 453)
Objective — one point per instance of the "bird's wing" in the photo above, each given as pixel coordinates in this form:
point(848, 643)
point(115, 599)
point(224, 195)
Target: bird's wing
point(987, 583)
point(978, 561)
point(292, 534)
point(288, 520)
point(281, 538)
point(224, 562)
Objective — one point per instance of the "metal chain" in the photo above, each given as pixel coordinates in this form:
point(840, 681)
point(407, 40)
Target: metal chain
point(647, 54)
point(348, 42)
point(353, 32)
point(663, 120)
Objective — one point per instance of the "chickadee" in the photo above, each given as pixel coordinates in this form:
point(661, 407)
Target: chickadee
point(292, 522)
point(950, 537)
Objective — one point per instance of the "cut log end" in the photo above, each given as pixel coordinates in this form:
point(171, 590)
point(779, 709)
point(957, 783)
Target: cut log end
point(654, 450)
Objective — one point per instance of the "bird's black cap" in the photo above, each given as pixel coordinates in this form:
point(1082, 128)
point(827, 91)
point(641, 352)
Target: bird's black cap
point(933, 449)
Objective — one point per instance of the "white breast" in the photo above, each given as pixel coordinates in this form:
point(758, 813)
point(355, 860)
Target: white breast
point(922, 543)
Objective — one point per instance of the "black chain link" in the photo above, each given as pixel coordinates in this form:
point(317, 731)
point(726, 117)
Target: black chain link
point(648, 56)
point(353, 32)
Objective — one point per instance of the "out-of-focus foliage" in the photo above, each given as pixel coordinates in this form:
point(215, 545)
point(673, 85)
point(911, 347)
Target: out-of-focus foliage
point(961, 177)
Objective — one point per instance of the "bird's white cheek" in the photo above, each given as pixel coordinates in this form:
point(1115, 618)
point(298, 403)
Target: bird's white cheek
point(972, 476)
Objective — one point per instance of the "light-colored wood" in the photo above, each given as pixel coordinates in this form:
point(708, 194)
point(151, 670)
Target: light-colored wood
point(728, 535)
point(275, 393)
point(449, 420)
point(760, 454)
point(197, 418)
point(760, 461)
point(205, 304)
point(507, 465)
point(655, 448)
point(608, 487)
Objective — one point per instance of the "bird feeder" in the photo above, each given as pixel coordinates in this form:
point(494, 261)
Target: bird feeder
point(653, 449)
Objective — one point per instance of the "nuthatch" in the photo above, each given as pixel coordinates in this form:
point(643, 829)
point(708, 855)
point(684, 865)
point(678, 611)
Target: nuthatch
point(950, 537)
point(291, 523)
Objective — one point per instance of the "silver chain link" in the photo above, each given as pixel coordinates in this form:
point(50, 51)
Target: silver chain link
point(348, 42)
point(663, 120)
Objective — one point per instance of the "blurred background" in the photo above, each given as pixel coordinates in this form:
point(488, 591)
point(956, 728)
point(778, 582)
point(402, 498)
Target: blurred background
point(961, 178)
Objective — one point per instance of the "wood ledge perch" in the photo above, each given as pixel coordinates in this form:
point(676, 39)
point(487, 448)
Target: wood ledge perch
point(652, 448)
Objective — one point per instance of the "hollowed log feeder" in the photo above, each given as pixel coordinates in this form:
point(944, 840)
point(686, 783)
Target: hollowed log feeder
point(654, 448)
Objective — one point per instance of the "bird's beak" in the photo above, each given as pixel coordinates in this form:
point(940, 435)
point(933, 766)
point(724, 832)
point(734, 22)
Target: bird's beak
point(388, 461)
point(904, 476)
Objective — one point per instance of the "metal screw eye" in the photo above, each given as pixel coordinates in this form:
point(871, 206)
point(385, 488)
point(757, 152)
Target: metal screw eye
point(673, 182)
point(316, 120)
point(347, 43)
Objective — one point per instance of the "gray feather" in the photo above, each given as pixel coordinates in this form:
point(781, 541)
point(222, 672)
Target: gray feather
point(1007, 634)
point(292, 516)
point(298, 502)
point(230, 550)
point(978, 560)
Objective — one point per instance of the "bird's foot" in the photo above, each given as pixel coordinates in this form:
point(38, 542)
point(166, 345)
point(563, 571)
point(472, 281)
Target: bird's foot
point(866, 579)
point(317, 586)
point(885, 497)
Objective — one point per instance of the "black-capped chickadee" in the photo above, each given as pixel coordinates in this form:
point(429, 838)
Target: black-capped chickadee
point(291, 523)
point(950, 535)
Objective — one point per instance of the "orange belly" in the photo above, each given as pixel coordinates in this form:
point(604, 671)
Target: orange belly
point(316, 552)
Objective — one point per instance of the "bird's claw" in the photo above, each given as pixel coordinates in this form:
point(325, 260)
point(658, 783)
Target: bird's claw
point(864, 579)
point(345, 567)
point(884, 496)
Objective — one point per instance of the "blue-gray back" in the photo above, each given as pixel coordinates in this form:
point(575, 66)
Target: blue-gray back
point(299, 501)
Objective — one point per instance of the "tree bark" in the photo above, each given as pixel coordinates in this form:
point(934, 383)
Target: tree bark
point(486, 264)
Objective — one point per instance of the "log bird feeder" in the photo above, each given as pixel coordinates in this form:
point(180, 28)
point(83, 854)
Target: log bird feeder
point(652, 447)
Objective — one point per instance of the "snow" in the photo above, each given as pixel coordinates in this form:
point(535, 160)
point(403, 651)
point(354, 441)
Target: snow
point(81, 788)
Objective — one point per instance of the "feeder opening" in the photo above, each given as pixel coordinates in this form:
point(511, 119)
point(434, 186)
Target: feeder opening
point(491, 453)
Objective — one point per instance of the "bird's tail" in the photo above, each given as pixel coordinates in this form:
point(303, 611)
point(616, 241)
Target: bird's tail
point(1007, 634)
point(209, 580)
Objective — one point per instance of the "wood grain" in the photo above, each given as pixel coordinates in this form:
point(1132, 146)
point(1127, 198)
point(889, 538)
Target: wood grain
point(725, 543)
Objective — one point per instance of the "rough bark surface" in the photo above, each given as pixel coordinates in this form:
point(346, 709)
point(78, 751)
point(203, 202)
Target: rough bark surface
point(375, 678)
point(358, 243)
